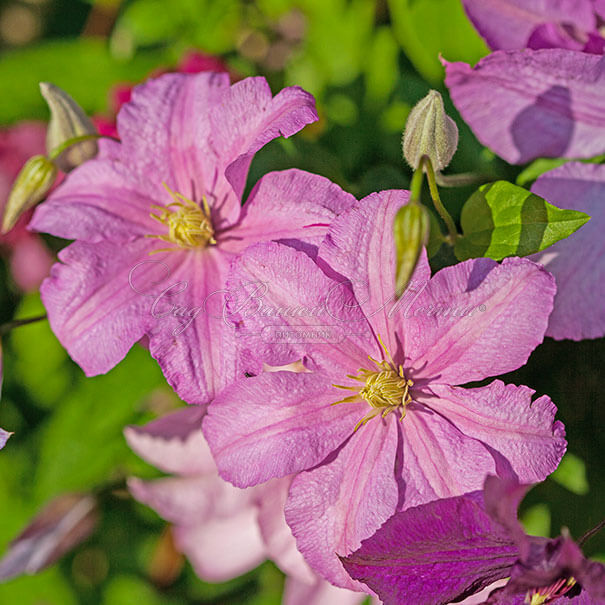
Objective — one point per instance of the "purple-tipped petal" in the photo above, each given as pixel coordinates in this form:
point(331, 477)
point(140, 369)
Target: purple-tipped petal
point(508, 24)
point(174, 443)
point(275, 424)
point(477, 319)
point(433, 554)
point(529, 104)
point(248, 117)
point(578, 262)
point(360, 246)
point(522, 435)
point(334, 506)
point(223, 549)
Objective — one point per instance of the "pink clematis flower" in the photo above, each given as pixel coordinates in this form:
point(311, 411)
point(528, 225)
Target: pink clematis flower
point(529, 104)
point(29, 258)
point(158, 219)
point(223, 530)
point(517, 24)
point(405, 433)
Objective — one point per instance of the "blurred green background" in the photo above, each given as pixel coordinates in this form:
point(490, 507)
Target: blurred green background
point(367, 62)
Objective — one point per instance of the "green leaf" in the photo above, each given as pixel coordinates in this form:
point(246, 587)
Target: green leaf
point(84, 67)
point(426, 28)
point(501, 219)
point(537, 520)
point(571, 474)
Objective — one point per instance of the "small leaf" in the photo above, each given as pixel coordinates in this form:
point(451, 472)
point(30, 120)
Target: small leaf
point(501, 219)
point(537, 520)
point(571, 474)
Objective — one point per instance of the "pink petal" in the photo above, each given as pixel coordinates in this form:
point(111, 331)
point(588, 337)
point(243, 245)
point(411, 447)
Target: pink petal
point(334, 506)
point(92, 310)
point(103, 199)
point(277, 535)
point(223, 549)
point(275, 424)
point(174, 443)
point(529, 104)
point(508, 24)
point(30, 262)
point(521, 435)
point(248, 117)
point(578, 262)
point(360, 246)
point(319, 593)
point(477, 319)
point(4, 436)
point(291, 204)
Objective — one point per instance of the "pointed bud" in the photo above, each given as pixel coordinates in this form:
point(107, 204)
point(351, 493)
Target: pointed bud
point(430, 131)
point(33, 183)
point(67, 121)
point(411, 231)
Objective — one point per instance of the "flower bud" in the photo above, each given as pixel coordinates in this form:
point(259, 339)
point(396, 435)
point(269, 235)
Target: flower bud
point(430, 131)
point(32, 184)
point(411, 231)
point(67, 121)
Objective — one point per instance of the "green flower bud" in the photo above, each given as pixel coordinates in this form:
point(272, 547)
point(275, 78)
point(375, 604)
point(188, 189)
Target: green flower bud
point(32, 184)
point(67, 121)
point(411, 231)
point(430, 131)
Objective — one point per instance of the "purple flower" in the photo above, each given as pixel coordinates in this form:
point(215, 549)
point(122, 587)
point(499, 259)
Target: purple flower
point(158, 218)
point(397, 365)
point(529, 104)
point(517, 24)
point(223, 530)
point(578, 262)
point(450, 548)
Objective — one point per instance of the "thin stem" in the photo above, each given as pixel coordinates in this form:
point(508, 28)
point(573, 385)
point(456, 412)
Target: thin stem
point(462, 180)
point(7, 327)
point(591, 532)
point(59, 149)
point(416, 185)
point(443, 213)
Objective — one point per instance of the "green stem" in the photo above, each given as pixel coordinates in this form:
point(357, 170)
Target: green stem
point(7, 327)
point(59, 149)
point(443, 213)
point(463, 179)
point(591, 532)
point(416, 185)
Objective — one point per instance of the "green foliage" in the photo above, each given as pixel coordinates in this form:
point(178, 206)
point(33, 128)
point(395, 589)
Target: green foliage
point(537, 520)
point(501, 219)
point(571, 474)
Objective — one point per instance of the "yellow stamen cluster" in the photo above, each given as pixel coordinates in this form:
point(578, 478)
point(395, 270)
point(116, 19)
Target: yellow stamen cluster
point(542, 596)
point(188, 223)
point(385, 389)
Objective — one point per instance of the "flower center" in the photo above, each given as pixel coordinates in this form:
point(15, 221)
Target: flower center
point(547, 594)
point(188, 223)
point(385, 389)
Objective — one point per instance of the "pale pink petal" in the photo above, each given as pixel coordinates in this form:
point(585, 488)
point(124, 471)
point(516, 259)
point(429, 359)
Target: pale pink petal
point(599, 7)
point(174, 443)
point(248, 117)
point(521, 435)
point(319, 593)
point(4, 436)
point(529, 104)
point(336, 505)
point(578, 262)
point(222, 549)
point(477, 319)
point(508, 24)
point(286, 308)
point(275, 424)
point(277, 535)
point(30, 262)
point(287, 205)
point(360, 246)
point(92, 308)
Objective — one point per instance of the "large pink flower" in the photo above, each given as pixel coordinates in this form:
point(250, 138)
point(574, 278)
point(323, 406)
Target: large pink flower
point(223, 530)
point(468, 322)
point(158, 219)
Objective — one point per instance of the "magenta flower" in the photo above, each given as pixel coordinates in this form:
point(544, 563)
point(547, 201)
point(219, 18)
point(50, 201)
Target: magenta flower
point(517, 24)
point(158, 219)
point(529, 104)
point(468, 322)
point(223, 530)
point(578, 262)
point(463, 544)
